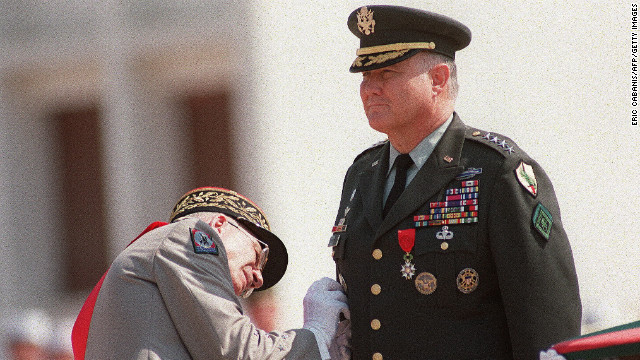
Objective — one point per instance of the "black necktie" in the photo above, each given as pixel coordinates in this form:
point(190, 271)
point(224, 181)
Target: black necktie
point(402, 164)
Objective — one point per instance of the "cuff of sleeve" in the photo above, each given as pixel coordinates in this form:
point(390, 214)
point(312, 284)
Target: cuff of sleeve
point(324, 350)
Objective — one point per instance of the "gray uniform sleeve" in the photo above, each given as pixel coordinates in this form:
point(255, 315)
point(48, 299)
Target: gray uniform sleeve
point(198, 293)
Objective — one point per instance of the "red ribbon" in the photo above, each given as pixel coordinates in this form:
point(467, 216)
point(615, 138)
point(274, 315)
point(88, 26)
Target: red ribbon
point(80, 331)
point(406, 239)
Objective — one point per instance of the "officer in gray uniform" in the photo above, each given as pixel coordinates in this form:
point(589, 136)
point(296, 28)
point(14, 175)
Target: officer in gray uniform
point(448, 240)
point(174, 292)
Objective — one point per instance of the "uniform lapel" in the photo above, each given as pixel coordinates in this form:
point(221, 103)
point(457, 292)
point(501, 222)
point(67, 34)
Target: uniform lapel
point(441, 167)
point(371, 186)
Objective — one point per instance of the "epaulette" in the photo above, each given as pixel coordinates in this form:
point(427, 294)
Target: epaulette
point(498, 142)
point(372, 147)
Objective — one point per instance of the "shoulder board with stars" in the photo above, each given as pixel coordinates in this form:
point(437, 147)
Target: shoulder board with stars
point(500, 143)
point(372, 147)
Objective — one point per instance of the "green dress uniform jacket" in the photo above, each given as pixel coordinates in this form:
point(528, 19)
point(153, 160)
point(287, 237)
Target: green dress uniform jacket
point(494, 272)
point(162, 300)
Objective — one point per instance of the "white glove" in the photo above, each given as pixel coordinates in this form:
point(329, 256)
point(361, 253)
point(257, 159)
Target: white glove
point(551, 355)
point(340, 348)
point(322, 306)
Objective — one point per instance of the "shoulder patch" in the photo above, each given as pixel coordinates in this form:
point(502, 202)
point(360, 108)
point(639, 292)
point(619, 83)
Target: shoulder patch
point(542, 220)
point(500, 143)
point(202, 243)
point(372, 147)
point(527, 178)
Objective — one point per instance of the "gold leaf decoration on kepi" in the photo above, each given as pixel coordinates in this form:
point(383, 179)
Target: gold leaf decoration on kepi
point(223, 200)
point(246, 213)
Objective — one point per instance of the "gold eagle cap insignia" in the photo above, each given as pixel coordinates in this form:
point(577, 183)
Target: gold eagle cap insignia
point(366, 23)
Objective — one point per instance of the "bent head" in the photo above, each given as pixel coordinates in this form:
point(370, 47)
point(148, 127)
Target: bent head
point(246, 254)
point(245, 234)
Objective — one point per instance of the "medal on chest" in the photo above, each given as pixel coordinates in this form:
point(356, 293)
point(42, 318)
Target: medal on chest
point(406, 240)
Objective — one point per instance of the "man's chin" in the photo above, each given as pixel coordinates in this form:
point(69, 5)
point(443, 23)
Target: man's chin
point(378, 123)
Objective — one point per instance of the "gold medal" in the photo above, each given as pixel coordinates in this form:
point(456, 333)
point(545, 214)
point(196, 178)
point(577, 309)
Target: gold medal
point(426, 283)
point(468, 280)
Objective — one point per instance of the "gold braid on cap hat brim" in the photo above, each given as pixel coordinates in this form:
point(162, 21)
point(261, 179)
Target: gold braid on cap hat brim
point(377, 59)
point(395, 47)
point(224, 200)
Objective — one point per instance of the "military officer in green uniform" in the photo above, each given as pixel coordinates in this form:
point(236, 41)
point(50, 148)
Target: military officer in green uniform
point(448, 240)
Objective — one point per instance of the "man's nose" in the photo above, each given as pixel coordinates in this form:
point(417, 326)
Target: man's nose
point(257, 279)
point(369, 86)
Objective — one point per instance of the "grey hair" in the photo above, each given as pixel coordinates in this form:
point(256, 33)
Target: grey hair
point(432, 59)
point(205, 216)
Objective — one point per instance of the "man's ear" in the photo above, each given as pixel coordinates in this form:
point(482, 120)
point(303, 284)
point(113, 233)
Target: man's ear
point(217, 222)
point(440, 74)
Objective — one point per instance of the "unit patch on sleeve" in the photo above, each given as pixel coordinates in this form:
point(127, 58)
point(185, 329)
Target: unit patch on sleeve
point(527, 178)
point(542, 220)
point(202, 243)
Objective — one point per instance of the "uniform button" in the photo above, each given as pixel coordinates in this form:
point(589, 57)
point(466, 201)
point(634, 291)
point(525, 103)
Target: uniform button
point(444, 245)
point(375, 324)
point(375, 289)
point(377, 356)
point(377, 254)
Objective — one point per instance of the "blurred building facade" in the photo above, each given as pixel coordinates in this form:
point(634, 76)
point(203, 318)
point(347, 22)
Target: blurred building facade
point(109, 112)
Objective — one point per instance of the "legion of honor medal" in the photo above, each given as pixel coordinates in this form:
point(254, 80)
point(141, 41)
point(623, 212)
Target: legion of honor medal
point(406, 239)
